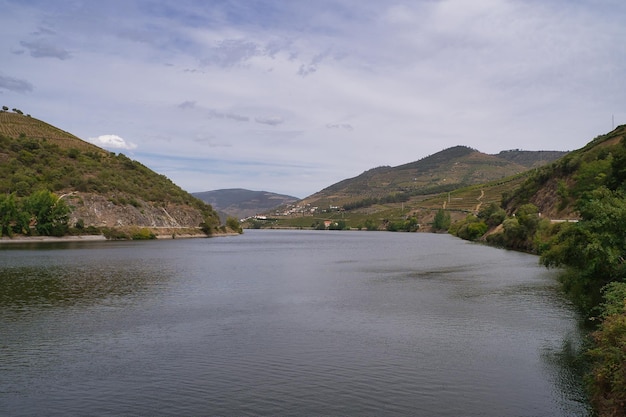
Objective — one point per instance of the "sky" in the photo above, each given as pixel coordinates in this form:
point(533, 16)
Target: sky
point(292, 96)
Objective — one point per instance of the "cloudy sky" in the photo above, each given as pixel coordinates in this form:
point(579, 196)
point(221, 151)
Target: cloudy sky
point(293, 96)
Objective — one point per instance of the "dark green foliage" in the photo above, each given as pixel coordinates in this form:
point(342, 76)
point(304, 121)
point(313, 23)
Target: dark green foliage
point(13, 219)
point(492, 214)
point(42, 213)
point(49, 213)
point(409, 224)
point(607, 380)
point(370, 201)
point(618, 168)
point(442, 220)
point(234, 225)
point(594, 247)
point(471, 228)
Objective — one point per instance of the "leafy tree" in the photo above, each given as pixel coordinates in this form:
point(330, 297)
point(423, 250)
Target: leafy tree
point(492, 214)
point(234, 225)
point(442, 220)
point(471, 228)
point(12, 218)
point(595, 247)
point(50, 213)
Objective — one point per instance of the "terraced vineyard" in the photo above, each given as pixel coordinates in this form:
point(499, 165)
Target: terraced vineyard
point(470, 199)
point(14, 125)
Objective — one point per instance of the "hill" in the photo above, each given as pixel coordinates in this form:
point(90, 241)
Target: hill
point(241, 203)
point(103, 189)
point(555, 188)
point(447, 170)
point(459, 179)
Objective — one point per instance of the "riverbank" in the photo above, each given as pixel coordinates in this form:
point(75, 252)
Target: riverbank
point(100, 238)
point(28, 239)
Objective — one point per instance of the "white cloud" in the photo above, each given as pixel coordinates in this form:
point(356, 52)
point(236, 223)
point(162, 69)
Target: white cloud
point(112, 142)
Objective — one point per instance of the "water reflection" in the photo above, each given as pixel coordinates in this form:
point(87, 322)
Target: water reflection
point(567, 367)
point(68, 285)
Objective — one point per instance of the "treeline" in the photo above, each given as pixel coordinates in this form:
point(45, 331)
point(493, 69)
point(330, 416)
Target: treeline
point(591, 251)
point(41, 214)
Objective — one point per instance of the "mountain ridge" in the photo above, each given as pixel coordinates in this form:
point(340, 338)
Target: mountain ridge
point(446, 170)
point(242, 203)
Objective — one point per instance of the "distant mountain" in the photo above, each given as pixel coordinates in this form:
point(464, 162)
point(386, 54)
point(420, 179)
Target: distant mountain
point(444, 171)
point(242, 203)
point(102, 189)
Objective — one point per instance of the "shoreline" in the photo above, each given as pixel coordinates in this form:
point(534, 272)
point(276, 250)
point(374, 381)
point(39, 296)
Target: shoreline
point(28, 239)
point(98, 238)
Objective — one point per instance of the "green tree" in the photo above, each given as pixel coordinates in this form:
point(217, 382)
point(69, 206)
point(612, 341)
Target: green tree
point(595, 247)
point(469, 229)
point(442, 220)
point(492, 214)
point(49, 212)
point(12, 218)
point(234, 225)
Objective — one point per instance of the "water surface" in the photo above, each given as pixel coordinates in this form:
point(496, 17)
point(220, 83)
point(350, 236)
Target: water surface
point(283, 323)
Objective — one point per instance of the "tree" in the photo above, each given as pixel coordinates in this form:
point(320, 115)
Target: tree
point(12, 218)
point(492, 214)
point(49, 212)
point(442, 220)
point(234, 225)
point(594, 248)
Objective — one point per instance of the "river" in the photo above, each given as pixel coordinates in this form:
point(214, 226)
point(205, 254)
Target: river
point(284, 323)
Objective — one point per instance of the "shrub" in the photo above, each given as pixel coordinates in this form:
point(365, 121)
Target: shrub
point(607, 381)
point(142, 234)
point(234, 225)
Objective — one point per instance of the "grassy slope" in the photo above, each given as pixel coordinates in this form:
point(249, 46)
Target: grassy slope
point(36, 155)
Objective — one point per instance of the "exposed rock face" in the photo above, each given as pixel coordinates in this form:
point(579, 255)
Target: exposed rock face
point(100, 211)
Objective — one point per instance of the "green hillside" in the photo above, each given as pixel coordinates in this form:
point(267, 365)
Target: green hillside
point(448, 170)
point(555, 188)
point(459, 179)
point(37, 156)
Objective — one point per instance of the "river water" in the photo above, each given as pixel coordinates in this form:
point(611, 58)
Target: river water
point(284, 323)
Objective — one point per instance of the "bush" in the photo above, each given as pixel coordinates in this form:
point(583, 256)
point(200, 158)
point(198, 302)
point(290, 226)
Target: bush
point(442, 220)
point(469, 229)
point(607, 381)
point(234, 225)
point(142, 234)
